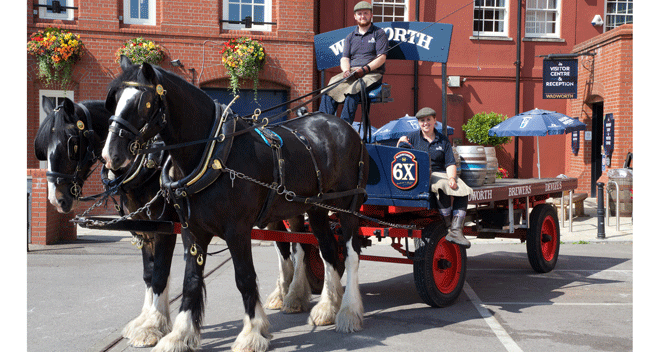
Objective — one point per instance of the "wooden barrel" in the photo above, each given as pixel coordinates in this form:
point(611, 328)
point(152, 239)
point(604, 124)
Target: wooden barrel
point(473, 164)
point(491, 165)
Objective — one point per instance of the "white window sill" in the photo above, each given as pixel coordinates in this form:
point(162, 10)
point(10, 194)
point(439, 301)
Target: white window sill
point(491, 37)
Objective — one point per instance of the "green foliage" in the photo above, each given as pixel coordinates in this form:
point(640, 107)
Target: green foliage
point(476, 130)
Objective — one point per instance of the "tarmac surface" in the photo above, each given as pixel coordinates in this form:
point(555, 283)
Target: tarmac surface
point(81, 294)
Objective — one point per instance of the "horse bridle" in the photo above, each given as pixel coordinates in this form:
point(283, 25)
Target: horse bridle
point(138, 138)
point(84, 155)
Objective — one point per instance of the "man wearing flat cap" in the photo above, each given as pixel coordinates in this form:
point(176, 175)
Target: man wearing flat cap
point(364, 56)
point(444, 182)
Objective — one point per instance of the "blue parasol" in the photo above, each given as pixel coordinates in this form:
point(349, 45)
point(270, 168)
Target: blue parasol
point(537, 122)
point(358, 127)
point(402, 126)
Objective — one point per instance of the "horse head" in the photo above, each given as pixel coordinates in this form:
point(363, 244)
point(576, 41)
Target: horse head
point(136, 99)
point(70, 145)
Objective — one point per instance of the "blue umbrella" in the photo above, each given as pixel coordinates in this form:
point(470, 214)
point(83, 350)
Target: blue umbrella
point(402, 126)
point(536, 122)
point(357, 126)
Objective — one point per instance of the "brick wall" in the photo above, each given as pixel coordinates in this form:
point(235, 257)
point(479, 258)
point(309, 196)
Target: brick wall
point(47, 226)
point(605, 77)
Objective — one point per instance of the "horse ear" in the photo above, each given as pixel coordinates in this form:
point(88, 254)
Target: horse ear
point(110, 101)
point(125, 62)
point(69, 108)
point(47, 104)
point(148, 71)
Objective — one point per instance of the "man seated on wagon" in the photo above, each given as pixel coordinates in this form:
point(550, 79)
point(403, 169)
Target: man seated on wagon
point(364, 55)
point(444, 182)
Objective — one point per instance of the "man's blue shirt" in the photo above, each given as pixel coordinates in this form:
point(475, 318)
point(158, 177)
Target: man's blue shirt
point(361, 49)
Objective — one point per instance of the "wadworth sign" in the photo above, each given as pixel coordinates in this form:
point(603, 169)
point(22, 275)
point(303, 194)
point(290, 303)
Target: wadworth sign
point(560, 79)
point(420, 41)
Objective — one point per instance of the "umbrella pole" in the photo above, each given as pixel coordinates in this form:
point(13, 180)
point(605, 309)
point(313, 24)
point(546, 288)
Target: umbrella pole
point(538, 161)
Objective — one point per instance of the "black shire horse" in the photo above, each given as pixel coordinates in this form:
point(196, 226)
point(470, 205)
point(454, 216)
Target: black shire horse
point(71, 139)
point(320, 160)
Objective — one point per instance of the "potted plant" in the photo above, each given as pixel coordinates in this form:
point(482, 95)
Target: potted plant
point(56, 51)
point(140, 50)
point(243, 58)
point(476, 129)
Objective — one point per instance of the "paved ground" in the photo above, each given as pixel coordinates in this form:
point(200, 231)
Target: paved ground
point(81, 294)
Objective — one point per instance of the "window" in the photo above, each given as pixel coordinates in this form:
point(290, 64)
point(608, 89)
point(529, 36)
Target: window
point(542, 18)
point(65, 14)
point(490, 18)
point(139, 12)
point(237, 10)
point(618, 12)
point(389, 10)
point(57, 97)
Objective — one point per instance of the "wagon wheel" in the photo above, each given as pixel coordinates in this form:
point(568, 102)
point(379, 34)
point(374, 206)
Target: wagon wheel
point(315, 267)
point(439, 267)
point(543, 238)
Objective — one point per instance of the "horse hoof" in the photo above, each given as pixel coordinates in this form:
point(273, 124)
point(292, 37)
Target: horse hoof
point(348, 321)
point(274, 301)
point(322, 314)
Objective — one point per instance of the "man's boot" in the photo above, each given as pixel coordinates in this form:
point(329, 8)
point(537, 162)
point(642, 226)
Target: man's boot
point(455, 234)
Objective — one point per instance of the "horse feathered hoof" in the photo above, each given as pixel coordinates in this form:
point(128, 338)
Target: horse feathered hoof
point(183, 338)
point(255, 335)
point(322, 314)
point(275, 300)
point(348, 321)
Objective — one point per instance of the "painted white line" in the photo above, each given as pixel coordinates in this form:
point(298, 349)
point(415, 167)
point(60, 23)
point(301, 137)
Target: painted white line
point(497, 328)
point(554, 304)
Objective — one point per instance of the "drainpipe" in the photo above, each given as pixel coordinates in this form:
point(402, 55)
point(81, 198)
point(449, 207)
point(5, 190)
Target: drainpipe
point(416, 66)
point(517, 110)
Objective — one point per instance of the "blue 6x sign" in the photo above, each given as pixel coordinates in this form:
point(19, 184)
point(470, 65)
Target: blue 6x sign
point(404, 170)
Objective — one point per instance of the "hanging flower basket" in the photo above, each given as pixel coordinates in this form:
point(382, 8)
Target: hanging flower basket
point(56, 51)
point(140, 50)
point(243, 58)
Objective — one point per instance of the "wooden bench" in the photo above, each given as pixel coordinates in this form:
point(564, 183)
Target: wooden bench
point(578, 202)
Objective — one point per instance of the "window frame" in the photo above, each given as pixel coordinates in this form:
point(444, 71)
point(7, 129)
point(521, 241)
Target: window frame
point(557, 21)
point(56, 94)
point(389, 3)
point(268, 10)
point(607, 26)
point(505, 20)
point(68, 14)
point(150, 21)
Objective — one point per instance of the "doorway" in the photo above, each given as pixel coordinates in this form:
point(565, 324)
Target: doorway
point(597, 131)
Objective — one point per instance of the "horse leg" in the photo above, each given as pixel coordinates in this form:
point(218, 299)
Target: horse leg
point(299, 293)
point(350, 316)
point(285, 270)
point(254, 336)
point(147, 257)
point(156, 320)
point(324, 312)
point(186, 332)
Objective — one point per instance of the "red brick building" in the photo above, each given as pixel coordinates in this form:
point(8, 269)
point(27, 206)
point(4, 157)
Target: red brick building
point(482, 60)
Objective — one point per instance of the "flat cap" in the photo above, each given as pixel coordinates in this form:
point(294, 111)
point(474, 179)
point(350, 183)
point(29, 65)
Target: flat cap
point(363, 5)
point(424, 112)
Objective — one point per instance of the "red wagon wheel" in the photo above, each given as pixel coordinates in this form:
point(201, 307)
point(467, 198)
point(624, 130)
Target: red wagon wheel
point(439, 267)
point(543, 238)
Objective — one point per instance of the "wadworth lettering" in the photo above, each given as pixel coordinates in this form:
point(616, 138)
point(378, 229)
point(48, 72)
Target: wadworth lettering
point(477, 195)
point(397, 35)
